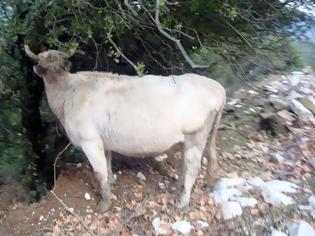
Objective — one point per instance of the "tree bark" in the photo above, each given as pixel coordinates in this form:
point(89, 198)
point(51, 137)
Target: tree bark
point(31, 91)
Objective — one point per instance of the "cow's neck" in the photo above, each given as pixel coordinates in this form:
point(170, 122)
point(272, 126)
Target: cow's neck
point(56, 87)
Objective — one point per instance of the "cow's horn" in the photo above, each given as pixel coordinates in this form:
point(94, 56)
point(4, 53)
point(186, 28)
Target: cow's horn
point(30, 53)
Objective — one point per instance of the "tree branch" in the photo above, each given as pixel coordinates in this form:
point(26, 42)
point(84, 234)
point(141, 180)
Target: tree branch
point(130, 7)
point(176, 41)
point(239, 34)
point(109, 37)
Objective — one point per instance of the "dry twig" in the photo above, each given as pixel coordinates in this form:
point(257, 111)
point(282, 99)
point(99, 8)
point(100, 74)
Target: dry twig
point(55, 163)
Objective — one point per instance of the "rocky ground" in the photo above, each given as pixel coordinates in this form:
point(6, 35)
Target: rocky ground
point(266, 183)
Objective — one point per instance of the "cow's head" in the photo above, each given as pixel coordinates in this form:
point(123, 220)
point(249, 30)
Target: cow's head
point(50, 61)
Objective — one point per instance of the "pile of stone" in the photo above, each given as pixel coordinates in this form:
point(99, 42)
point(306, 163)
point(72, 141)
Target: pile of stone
point(229, 194)
point(281, 101)
point(293, 96)
point(233, 195)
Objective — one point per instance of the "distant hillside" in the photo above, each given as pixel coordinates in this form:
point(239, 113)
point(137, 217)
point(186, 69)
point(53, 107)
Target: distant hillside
point(305, 46)
point(310, 35)
point(306, 49)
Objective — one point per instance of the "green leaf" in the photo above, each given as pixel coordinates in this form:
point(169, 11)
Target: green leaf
point(140, 68)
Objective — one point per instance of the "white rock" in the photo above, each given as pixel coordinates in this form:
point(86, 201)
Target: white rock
point(246, 201)
point(276, 198)
point(87, 196)
point(256, 181)
point(161, 185)
point(312, 99)
point(309, 209)
point(286, 115)
point(273, 96)
point(273, 192)
point(300, 110)
point(233, 101)
point(252, 92)
point(231, 209)
point(141, 176)
point(305, 90)
point(294, 79)
point(271, 89)
point(277, 233)
point(278, 85)
point(156, 225)
point(41, 218)
point(228, 182)
point(252, 110)
point(301, 229)
point(224, 195)
point(246, 187)
point(294, 95)
point(277, 102)
point(277, 158)
point(201, 224)
point(280, 186)
point(306, 208)
point(182, 226)
point(311, 200)
point(173, 188)
point(161, 157)
point(307, 70)
point(297, 73)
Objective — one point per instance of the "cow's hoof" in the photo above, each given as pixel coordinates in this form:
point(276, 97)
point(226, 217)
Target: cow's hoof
point(211, 181)
point(111, 179)
point(104, 205)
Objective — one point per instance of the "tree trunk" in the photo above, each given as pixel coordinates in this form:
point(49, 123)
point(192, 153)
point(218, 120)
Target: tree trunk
point(31, 89)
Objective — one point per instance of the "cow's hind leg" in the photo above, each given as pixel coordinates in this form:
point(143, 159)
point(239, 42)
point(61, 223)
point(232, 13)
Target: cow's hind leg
point(193, 149)
point(94, 150)
point(111, 178)
point(211, 150)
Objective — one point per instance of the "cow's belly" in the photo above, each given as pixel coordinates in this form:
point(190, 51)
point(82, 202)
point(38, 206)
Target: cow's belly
point(139, 143)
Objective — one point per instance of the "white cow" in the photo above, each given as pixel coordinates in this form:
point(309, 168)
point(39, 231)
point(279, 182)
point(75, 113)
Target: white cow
point(104, 112)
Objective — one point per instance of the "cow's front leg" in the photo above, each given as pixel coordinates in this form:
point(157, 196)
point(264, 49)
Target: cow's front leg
point(94, 150)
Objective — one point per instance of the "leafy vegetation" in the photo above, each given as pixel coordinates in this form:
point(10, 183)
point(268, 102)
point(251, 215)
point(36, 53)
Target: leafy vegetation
point(221, 39)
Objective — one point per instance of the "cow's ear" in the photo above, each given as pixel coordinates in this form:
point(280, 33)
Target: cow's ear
point(40, 70)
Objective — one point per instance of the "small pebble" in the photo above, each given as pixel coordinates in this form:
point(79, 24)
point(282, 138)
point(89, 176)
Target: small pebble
point(182, 226)
point(87, 196)
point(161, 185)
point(141, 176)
point(202, 224)
point(277, 158)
